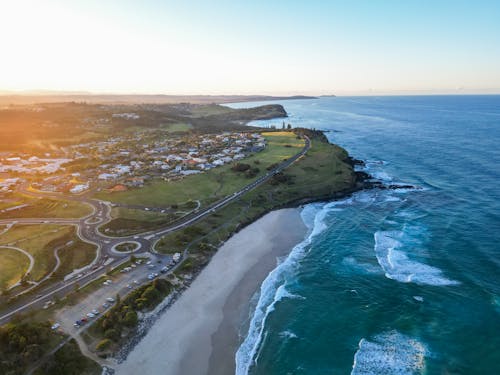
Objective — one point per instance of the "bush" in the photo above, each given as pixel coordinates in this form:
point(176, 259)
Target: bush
point(112, 334)
point(240, 167)
point(103, 345)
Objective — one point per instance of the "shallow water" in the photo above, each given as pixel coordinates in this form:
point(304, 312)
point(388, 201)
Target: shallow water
point(392, 282)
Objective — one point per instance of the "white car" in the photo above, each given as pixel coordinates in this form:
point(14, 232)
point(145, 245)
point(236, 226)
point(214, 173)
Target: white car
point(95, 312)
point(109, 299)
point(55, 326)
point(90, 315)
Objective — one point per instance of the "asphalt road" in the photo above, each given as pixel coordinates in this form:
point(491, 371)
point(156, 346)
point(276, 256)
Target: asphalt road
point(88, 231)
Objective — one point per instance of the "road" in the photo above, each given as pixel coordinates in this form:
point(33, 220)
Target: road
point(88, 230)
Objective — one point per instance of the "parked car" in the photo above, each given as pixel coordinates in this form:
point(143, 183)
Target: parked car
point(109, 299)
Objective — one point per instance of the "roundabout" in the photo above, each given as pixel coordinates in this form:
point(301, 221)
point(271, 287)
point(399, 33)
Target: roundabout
point(126, 247)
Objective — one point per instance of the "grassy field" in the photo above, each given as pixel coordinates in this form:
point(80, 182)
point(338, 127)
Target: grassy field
point(214, 184)
point(128, 221)
point(13, 265)
point(178, 128)
point(41, 240)
point(319, 174)
point(45, 207)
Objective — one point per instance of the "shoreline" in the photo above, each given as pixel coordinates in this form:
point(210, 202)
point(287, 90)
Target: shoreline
point(199, 334)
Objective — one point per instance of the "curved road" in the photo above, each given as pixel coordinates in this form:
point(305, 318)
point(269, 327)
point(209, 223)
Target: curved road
point(106, 257)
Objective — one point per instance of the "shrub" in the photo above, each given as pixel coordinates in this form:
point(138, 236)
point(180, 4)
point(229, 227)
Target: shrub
point(103, 345)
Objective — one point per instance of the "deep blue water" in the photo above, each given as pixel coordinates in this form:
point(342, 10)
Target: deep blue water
point(392, 282)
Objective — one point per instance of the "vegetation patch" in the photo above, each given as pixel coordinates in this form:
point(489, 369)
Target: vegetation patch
point(24, 344)
point(121, 320)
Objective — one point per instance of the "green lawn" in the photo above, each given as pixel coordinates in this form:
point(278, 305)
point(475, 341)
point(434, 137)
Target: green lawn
point(45, 207)
point(41, 240)
point(13, 265)
point(214, 184)
point(128, 221)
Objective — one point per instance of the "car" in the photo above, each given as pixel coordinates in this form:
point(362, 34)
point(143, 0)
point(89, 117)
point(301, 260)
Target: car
point(76, 325)
point(105, 305)
point(155, 274)
point(55, 326)
point(95, 312)
point(129, 286)
point(151, 277)
point(148, 262)
point(109, 299)
point(84, 320)
point(151, 266)
point(164, 269)
point(136, 282)
point(90, 315)
point(133, 265)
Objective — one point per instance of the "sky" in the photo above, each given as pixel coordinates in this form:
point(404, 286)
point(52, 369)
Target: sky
point(277, 47)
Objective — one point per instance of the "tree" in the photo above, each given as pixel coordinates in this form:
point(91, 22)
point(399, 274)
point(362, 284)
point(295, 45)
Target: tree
point(130, 319)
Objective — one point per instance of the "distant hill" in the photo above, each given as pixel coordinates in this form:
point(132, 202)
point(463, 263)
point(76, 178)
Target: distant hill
point(49, 97)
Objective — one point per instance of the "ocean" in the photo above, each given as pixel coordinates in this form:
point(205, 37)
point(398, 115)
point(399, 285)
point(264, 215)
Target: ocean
point(391, 282)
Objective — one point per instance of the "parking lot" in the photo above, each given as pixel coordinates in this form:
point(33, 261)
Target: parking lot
point(93, 305)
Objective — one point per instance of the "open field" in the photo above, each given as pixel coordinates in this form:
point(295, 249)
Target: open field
point(13, 265)
point(214, 184)
point(128, 221)
point(41, 241)
point(44, 207)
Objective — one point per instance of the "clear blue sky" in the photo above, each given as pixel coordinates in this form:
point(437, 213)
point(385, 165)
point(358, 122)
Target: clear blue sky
point(274, 47)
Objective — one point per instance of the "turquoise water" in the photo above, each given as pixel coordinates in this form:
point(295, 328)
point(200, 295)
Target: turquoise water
point(392, 282)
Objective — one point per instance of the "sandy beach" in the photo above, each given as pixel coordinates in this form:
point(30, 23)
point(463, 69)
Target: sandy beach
point(199, 333)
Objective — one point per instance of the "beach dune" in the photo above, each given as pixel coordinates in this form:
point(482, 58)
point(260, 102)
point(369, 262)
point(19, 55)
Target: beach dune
point(199, 333)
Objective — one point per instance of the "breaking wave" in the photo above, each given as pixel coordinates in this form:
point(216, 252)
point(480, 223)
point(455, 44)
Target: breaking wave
point(398, 266)
point(390, 353)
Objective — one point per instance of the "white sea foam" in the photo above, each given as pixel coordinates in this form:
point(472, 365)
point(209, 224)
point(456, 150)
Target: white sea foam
point(288, 335)
point(391, 353)
point(398, 266)
point(273, 287)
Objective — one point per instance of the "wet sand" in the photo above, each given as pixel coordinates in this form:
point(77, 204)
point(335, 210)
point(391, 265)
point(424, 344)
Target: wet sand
point(199, 333)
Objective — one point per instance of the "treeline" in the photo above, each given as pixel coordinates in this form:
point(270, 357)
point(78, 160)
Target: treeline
point(122, 318)
point(23, 344)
